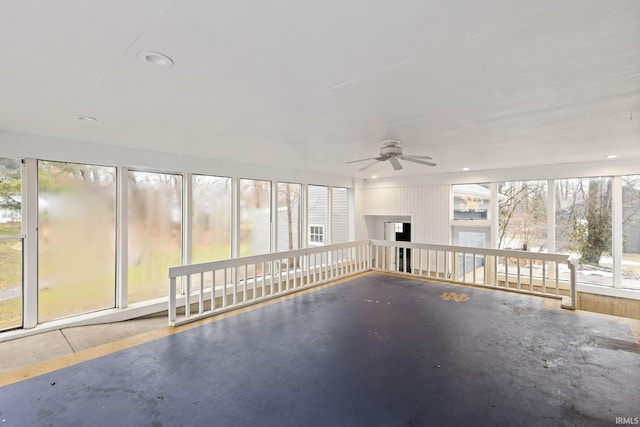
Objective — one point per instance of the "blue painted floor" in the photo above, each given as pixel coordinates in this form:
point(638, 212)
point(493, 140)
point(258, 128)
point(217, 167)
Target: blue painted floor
point(375, 351)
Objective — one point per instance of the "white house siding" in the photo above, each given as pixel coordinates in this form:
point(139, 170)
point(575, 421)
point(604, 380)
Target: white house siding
point(318, 209)
point(340, 216)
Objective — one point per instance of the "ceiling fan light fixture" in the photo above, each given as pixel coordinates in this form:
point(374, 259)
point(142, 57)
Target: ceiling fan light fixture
point(465, 169)
point(611, 156)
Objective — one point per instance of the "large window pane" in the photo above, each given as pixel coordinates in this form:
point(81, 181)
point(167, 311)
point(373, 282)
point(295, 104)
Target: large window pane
point(211, 222)
point(76, 239)
point(522, 215)
point(155, 224)
point(288, 216)
point(583, 226)
point(318, 215)
point(339, 216)
point(471, 201)
point(255, 217)
point(631, 231)
point(10, 244)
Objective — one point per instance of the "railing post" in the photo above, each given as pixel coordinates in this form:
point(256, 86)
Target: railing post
point(172, 300)
point(573, 305)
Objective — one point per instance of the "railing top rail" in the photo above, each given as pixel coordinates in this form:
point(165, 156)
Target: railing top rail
point(183, 270)
point(483, 251)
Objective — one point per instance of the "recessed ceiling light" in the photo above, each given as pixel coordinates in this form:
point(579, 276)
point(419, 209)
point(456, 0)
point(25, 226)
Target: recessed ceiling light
point(465, 169)
point(155, 58)
point(87, 119)
point(374, 176)
point(611, 156)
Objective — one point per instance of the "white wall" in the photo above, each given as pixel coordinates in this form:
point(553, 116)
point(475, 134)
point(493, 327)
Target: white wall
point(19, 145)
point(426, 199)
point(427, 206)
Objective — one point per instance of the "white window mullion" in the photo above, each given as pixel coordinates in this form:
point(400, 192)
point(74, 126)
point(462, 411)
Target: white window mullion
point(30, 248)
point(235, 217)
point(304, 207)
point(274, 216)
point(494, 215)
point(122, 238)
point(551, 216)
point(616, 229)
point(187, 220)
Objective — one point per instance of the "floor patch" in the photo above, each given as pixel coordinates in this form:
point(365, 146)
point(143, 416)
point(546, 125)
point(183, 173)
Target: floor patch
point(452, 296)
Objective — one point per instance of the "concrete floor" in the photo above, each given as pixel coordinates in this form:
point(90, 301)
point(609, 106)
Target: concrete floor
point(50, 345)
point(377, 350)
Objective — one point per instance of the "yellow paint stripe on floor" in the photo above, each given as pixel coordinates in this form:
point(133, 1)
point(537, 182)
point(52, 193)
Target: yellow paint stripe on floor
point(31, 371)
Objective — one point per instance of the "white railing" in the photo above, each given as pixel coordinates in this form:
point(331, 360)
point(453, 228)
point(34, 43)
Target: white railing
point(549, 275)
point(219, 286)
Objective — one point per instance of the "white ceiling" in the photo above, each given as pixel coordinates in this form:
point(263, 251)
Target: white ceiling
point(308, 85)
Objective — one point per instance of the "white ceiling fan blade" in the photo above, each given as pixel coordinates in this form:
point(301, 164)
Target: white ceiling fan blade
point(361, 160)
point(368, 166)
point(418, 157)
point(414, 160)
point(395, 163)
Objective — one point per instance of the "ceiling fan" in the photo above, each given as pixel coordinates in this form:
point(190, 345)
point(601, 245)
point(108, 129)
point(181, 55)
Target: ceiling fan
point(392, 151)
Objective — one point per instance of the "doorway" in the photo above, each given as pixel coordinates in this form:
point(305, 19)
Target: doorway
point(399, 232)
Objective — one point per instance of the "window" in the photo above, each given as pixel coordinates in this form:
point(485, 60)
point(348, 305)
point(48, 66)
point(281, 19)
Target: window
point(318, 213)
point(316, 235)
point(76, 239)
point(631, 231)
point(255, 217)
point(211, 218)
point(471, 201)
point(155, 231)
point(583, 226)
point(522, 210)
point(289, 216)
point(10, 244)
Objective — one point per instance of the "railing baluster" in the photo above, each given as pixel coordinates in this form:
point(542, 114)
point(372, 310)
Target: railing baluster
point(201, 295)
point(224, 288)
point(544, 277)
point(474, 267)
point(263, 279)
point(187, 300)
point(172, 299)
point(446, 265)
point(518, 271)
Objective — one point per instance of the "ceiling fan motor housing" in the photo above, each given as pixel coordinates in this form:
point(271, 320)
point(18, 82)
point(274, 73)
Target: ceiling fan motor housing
point(390, 148)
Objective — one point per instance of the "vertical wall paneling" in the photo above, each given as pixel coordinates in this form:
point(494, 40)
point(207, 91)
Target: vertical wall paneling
point(427, 205)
